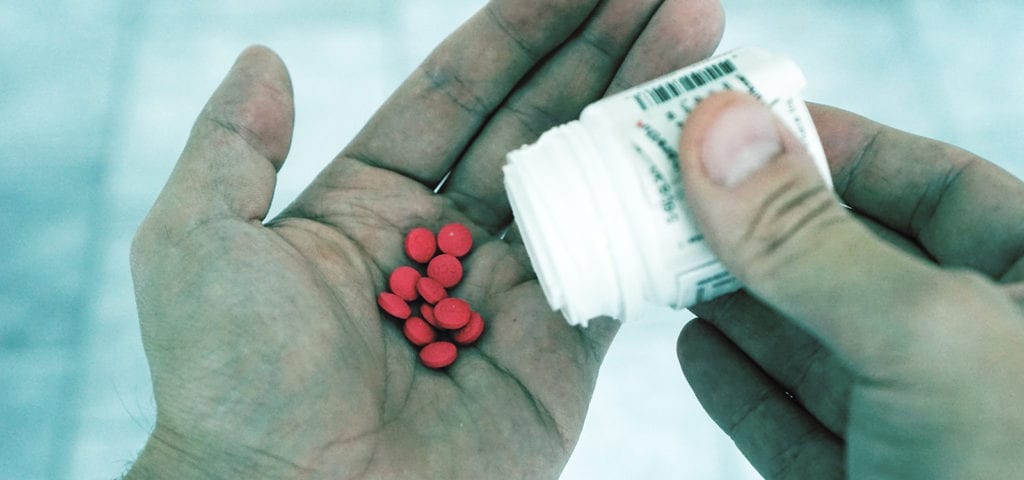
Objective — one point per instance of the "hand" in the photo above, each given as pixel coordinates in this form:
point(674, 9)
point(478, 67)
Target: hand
point(269, 355)
point(894, 354)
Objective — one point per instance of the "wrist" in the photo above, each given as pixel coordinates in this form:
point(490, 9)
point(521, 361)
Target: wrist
point(170, 455)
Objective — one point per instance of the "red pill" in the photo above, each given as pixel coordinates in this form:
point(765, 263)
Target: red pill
point(394, 305)
point(430, 290)
point(418, 332)
point(420, 244)
point(471, 332)
point(446, 269)
point(427, 311)
point(451, 313)
point(454, 239)
point(403, 282)
point(439, 354)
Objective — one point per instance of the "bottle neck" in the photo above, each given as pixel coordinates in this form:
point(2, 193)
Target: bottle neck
point(560, 196)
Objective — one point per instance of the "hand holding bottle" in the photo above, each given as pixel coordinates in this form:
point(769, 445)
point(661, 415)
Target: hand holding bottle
point(890, 347)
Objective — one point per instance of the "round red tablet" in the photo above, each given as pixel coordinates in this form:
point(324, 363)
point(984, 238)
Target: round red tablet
point(427, 311)
point(446, 269)
point(403, 282)
point(420, 244)
point(430, 290)
point(439, 354)
point(451, 313)
point(454, 239)
point(418, 332)
point(471, 332)
point(394, 305)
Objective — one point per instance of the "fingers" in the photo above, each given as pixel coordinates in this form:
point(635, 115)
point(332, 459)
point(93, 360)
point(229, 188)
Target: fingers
point(964, 210)
point(774, 223)
point(430, 119)
point(786, 353)
point(780, 439)
point(795, 360)
point(241, 138)
point(553, 95)
point(682, 32)
point(671, 34)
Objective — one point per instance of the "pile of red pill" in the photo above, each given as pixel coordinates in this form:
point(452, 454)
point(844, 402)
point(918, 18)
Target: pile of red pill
point(443, 322)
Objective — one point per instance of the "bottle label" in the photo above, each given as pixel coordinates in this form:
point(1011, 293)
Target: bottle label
point(676, 87)
point(613, 179)
point(655, 112)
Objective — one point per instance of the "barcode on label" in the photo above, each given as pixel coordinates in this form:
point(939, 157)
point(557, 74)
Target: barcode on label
point(687, 83)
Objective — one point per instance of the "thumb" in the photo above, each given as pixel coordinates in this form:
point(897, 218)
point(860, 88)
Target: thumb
point(240, 140)
point(777, 226)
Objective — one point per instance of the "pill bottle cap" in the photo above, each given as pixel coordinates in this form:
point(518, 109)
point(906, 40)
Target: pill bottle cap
point(571, 226)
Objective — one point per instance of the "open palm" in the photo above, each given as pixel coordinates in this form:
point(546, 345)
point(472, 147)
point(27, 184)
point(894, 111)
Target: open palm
point(268, 352)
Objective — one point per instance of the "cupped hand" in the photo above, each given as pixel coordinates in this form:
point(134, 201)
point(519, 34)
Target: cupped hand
point(268, 353)
point(885, 341)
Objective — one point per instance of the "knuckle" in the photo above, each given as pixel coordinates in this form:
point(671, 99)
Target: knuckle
point(446, 80)
point(791, 218)
point(602, 44)
point(535, 118)
point(238, 125)
point(529, 30)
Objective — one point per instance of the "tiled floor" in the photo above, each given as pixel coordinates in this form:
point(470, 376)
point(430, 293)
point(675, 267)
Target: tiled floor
point(97, 97)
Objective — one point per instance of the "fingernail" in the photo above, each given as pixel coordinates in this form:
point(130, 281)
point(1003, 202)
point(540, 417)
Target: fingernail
point(739, 142)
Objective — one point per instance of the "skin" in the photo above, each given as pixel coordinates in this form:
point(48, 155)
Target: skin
point(882, 342)
point(268, 353)
point(885, 342)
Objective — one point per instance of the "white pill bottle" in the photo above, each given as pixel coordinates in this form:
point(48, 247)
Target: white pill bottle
point(599, 201)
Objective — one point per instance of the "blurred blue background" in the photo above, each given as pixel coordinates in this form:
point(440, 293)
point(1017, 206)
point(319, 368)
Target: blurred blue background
point(97, 97)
